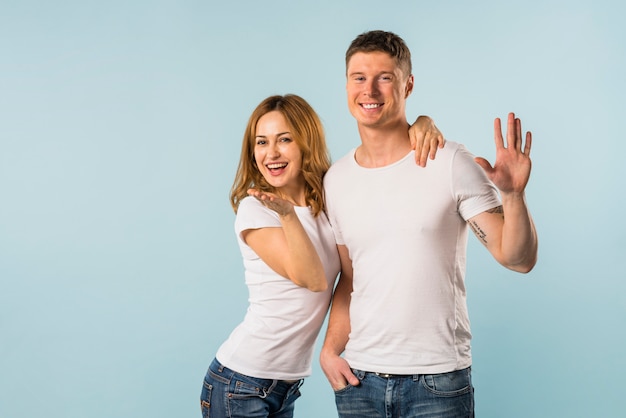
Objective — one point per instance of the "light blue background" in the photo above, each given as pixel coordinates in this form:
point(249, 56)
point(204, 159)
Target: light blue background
point(120, 130)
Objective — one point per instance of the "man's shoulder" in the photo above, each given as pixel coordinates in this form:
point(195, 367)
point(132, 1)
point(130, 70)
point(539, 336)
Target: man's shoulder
point(450, 147)
point(451, 152)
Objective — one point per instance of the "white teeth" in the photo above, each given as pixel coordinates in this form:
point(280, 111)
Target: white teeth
point(273, 166)
point(370, 105)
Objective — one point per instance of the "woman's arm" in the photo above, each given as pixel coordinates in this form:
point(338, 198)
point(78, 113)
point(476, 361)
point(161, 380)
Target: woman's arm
point(287, 250)
point(425, 139)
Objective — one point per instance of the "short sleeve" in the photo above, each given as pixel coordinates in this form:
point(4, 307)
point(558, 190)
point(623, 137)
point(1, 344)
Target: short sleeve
point(474, 192)
point(252, 214)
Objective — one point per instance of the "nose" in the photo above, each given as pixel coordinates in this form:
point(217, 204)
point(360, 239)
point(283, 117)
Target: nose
point(370, 88)
point(274, 150)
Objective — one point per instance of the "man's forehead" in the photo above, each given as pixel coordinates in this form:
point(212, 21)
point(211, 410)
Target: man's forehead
point(376, 60)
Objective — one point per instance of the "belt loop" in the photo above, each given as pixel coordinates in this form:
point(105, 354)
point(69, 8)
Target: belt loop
point(270, 389)
point(296, 386)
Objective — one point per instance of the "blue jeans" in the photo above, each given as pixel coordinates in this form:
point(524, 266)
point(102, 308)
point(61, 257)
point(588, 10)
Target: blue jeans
point(228, 394)
point(445, 395)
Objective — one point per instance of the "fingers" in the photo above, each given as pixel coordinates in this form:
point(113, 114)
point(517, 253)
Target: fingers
point(273, 202)
point(339, 382)
point(256, 193)
point(266, 199)
point(425, 139)
point(338, 372)
point(347, 374)
point(262, 196)
point(421, 154)
point(345, 378)
point(528, 144)
point(514, 136)
point(511, 131)
point(518, 134)
point(419, 145)
point(426, 149)
point(417, 139)
point(353, 380)
point(497, 133)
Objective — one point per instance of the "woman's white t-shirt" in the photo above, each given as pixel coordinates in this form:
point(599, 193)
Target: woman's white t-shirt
point(277, 336)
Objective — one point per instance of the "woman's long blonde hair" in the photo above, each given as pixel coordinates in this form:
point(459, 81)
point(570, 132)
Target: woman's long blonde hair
point(308, 134)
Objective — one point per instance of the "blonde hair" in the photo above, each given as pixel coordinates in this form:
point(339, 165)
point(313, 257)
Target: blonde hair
point(308, 134)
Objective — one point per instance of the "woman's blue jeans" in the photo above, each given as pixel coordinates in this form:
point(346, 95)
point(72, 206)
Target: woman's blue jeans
point(228, 394)
point(445, 395)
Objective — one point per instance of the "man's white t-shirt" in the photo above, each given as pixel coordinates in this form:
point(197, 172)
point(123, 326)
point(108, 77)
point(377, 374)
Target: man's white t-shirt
point(406, 232)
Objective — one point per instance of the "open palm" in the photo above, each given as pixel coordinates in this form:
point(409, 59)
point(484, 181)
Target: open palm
point(511, 171)
point(272, 201)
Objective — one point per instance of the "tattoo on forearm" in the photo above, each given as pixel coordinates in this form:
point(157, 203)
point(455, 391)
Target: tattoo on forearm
point(479, 232)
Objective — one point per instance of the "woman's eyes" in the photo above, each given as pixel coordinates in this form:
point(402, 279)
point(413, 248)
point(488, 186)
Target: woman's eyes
point(281, 139)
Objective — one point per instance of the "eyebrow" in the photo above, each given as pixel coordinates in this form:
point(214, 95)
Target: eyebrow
point(278, 134)
point(377, 74)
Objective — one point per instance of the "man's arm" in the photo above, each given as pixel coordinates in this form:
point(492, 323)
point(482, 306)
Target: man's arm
point(509, 234)
point(508, 231)
point(336, 369)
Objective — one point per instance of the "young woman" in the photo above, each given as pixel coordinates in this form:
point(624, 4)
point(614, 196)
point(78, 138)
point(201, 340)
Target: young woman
point(290, 261)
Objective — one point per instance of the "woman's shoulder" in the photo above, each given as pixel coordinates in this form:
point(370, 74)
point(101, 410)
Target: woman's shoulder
point(250, 205)
point(253, 214)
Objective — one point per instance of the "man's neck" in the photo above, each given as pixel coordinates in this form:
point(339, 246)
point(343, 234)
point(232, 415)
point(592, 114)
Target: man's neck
point(382, 146)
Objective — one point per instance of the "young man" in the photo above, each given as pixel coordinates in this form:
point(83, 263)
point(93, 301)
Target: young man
point(399, 313)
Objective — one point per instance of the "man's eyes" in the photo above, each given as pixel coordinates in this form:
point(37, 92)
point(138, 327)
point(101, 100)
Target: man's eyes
point(382, 78)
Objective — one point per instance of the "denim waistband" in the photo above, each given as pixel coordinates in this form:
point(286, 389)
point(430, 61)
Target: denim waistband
point(391, 376)
point(401, 376)
point(267, 385)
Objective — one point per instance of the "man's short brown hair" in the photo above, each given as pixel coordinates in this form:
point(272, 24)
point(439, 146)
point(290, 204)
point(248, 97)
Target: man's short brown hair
point(388, 42)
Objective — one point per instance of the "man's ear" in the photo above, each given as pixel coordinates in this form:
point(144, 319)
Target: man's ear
point(409, 86)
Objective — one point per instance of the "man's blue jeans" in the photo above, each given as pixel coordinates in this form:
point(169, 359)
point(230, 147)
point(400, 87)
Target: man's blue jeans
point(445, 395)
point(228, 394)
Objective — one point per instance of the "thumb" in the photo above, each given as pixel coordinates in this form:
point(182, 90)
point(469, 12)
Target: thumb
point(351, 378)
point(354, 381)
point(484, 164)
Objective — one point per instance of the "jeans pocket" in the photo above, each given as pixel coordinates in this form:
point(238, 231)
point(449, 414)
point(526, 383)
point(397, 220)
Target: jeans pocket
point(454, 383)
point(247, 400)
point(242, 387)
point(343, 389)
point(359, 375)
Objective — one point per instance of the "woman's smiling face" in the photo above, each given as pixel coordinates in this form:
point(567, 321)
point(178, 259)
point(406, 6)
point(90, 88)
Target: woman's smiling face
point(277, 155)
